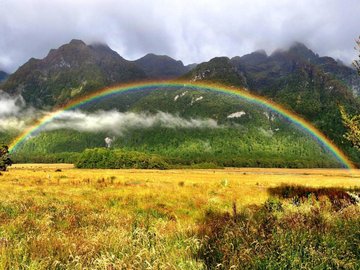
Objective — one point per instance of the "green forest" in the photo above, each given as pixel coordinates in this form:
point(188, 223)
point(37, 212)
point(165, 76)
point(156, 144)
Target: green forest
point(258, 138)
point(223, 147)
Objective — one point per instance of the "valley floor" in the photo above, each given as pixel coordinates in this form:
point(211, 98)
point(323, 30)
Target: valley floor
point(58, 217)
point(244, 185)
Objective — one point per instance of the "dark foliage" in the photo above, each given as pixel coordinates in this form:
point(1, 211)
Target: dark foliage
point(103, 158)
point(339, 198)
point(5, 160)
point(273, 237)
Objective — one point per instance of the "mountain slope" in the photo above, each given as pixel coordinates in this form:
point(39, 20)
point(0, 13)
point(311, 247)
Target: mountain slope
point(297, 78)
point(3, 76)
point(244, 134)
point(161, 67)
point(72, 70)
point(217, 70)
point(262, 70)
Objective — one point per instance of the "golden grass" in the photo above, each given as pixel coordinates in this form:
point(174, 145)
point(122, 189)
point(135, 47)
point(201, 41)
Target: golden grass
point(56, 216)
point(179, 192)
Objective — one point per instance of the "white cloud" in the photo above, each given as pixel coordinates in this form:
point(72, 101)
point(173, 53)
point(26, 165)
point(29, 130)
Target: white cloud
point(12, 123)
point(236, 114)
point(10, 105)
point(14, 115)
point(118, 122)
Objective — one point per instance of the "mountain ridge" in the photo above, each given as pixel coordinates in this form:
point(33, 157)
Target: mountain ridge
point(3, 75)
point(296, 78)
point(72, 70)
point(97, 65)
point(161, 67)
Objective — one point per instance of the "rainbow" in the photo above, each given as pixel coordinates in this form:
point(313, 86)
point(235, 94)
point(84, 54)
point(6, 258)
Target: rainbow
point(106, 92)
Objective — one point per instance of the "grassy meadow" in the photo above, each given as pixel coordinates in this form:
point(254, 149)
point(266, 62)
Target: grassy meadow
point(57, 217)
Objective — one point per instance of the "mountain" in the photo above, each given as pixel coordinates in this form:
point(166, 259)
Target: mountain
point(330, 66)
point(297, 78)
point(161, 67)
point(72, 70)
point(3, 76)
point(262, 70)
point(301, 80)
point(337, 69)
point(217, 70)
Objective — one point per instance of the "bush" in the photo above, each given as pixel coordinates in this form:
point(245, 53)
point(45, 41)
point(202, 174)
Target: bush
point(5, 160)
point(64, 157)
point(103, 158)
point(279, 236)
point(339, 198)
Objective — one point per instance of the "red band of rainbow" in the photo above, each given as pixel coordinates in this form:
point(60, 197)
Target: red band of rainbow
point(303, 124)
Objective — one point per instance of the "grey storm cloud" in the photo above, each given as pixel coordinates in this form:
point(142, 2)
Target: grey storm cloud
point(192, 31)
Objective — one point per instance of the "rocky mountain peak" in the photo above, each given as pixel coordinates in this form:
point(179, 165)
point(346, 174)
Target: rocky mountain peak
point(77, 42)
point(218, 69)
point(98, 46)
point(161, 66)
point(69, 71)
point(300, 50)
point(254, 58)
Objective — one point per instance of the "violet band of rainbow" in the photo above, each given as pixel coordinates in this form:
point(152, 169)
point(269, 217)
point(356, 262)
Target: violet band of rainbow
point(238, 92)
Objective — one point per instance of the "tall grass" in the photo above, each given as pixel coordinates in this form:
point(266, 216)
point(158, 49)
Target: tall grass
point(66, 235)
point(54, 217)
point(321, 231)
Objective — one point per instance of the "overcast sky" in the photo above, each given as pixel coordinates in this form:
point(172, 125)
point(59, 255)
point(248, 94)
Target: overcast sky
point(188, 30)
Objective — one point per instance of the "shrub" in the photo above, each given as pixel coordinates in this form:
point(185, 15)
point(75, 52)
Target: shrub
point(5, 160)
point(338, 197)
point(103, 158)
point(277, 236)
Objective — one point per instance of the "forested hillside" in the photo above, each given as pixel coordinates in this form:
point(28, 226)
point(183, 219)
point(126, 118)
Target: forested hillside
point(244, 134)
point(312, 86)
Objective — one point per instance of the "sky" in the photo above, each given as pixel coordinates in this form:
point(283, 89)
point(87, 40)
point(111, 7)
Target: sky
point(193, 31)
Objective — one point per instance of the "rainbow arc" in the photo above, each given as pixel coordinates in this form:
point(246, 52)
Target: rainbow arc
point(236, 92)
